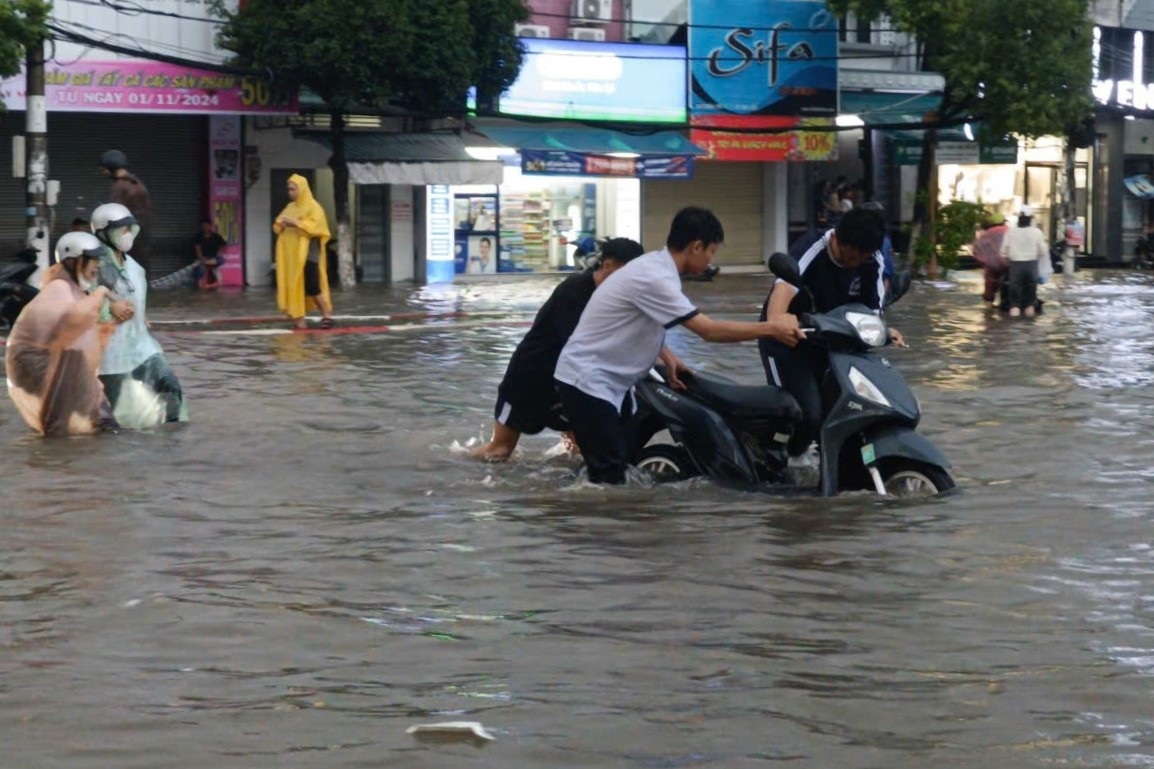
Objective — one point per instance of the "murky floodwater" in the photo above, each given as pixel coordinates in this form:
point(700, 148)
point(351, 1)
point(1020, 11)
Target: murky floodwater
point(307, 568)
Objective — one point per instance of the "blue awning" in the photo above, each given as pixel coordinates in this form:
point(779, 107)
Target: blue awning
point(884, 97)
point(590, 140)
point(888, 108)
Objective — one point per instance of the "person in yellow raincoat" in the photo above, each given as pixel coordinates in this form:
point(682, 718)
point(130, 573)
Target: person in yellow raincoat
point(301, 272)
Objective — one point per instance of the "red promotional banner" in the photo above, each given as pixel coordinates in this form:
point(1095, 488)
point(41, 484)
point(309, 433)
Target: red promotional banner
point(601, 165)
point(794, 145)
point(226, 194)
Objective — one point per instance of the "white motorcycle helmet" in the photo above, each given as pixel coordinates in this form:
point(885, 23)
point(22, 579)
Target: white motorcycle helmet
point(115, 226)
point(74, 245)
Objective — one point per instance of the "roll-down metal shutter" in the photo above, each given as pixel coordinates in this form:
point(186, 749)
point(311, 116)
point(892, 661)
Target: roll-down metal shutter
point(166, 152)
point(733, 191)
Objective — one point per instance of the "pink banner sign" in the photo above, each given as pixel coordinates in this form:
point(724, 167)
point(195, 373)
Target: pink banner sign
point(226, 194)
point(148, 86)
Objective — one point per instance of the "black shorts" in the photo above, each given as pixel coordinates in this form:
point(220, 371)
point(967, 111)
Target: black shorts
point(312, 279)
point(531, 414)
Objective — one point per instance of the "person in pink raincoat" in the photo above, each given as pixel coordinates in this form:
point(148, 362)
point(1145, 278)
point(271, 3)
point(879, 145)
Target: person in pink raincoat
point(987, 251)
point(56, 345)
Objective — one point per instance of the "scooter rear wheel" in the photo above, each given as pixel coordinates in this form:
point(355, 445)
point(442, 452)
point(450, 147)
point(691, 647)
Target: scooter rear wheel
point(666, 463)
point(909, 479)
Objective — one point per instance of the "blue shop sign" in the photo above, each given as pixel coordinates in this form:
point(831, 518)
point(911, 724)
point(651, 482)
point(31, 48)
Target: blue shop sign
point(761, 59)
point(580, 80)
point(1140, 186)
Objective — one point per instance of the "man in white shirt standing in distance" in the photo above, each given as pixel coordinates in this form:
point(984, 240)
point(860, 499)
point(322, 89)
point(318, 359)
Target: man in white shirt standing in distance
point(622, 333)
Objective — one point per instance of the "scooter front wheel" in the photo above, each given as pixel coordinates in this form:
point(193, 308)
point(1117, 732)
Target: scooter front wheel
point(907, 478)
point(666, 463)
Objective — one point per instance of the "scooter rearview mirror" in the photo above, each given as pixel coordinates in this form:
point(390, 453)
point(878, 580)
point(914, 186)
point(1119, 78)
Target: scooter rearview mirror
point(899, 286)
point(785, 267)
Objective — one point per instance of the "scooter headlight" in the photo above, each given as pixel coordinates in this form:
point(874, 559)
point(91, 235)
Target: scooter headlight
point(870, 328)
point(864, 388)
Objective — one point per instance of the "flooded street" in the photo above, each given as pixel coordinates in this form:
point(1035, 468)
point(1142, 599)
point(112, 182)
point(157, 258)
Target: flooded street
point(310, 566)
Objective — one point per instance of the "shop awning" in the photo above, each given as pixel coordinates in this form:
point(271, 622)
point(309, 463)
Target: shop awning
point(594, 141)
point(884, 98)
point(420, 159)
point(883, 108)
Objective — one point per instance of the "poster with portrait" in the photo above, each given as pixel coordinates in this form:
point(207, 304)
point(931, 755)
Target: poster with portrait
point(482, 255)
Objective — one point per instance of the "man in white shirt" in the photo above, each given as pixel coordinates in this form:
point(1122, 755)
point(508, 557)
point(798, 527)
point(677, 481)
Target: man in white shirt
point(1025, 248)
point(622, 332)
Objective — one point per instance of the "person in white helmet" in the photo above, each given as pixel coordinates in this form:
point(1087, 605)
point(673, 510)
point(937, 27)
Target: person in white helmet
point(1024, 247)
point(54, 350)
point(140, 385)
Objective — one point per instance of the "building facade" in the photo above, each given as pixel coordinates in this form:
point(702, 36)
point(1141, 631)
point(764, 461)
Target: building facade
point(180, 125)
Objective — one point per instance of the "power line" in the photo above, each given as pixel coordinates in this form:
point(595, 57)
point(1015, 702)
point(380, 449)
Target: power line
point(132, 8)
point(136, 10)
point(61, 33)
point(733, 58)
point(686, 24)
point(106, 35)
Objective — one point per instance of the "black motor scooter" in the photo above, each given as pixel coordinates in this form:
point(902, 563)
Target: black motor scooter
point(15, 293)
point(738, 433)
point(1144, 252)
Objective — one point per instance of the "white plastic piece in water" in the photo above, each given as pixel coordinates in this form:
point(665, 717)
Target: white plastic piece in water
point(559, 449)
point(451, 729)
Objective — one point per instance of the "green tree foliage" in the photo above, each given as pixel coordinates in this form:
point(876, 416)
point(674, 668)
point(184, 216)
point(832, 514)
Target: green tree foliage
point(1021, 67)
point(956, 226)
point(21, 26)
point(498, 54)
point(421, 56)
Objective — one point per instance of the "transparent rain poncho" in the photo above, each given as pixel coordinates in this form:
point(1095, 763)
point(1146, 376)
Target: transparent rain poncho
point(140, 385)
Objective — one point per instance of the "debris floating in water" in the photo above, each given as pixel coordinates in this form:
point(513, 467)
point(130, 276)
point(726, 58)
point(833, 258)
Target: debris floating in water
point(451, 731)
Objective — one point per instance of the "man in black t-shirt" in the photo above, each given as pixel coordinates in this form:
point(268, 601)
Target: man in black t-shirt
point(844, 266)
point(527, 400)
point(207, 246)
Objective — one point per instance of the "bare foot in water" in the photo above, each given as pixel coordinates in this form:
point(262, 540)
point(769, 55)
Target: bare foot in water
point(490, 452)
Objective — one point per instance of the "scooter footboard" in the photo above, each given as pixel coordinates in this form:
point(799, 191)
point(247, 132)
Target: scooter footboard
point(705, 436)
point(902, 442)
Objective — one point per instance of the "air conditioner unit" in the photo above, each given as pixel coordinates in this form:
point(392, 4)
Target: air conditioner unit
point(531, 30)
point(592, 10)
point(587, 33)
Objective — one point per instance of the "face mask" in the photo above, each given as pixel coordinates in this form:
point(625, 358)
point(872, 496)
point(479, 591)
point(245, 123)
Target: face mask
point(86, 284)
point(124, 241)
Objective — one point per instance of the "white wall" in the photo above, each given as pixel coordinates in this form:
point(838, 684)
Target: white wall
point(183, 35)
point(277, 149)
point(402, 239)
point(1139, 137)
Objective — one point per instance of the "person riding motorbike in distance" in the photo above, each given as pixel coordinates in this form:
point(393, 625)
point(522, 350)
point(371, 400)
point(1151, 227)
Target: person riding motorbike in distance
point(844, 266)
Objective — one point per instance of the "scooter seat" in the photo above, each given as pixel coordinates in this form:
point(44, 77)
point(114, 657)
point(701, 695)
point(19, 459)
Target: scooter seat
point(743, 401)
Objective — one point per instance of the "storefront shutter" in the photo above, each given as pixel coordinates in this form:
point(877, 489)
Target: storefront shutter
point(167, 152)
point(733, 191)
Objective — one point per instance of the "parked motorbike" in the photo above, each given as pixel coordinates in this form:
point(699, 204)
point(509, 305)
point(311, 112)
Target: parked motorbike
point(1144, 252)
point(1057, 252)
point(15, 293)
point(737, 433)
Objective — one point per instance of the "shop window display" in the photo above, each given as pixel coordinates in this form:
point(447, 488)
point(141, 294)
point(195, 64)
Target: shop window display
point(533, 223)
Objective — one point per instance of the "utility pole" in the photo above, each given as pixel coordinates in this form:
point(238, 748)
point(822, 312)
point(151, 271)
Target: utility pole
point(36, 159)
